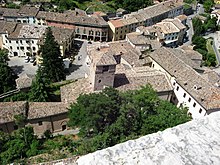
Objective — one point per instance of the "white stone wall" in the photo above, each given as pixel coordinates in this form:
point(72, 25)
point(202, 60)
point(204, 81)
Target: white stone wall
point(171, 37)
point(186, 100)
point(21, 46)
point(183, 100)
point(194, 143)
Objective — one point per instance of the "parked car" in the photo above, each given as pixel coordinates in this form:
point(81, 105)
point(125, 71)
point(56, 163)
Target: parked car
point(32, 59)
point(34, 63)
point(27, 59)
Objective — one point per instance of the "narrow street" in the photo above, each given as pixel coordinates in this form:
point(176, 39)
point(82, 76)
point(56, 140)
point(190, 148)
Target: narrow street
point(79, 67)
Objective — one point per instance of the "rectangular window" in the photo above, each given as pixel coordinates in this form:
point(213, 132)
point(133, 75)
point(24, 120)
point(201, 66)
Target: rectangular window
point(16, 42)
point(177, 88)
point(194, 104)
point(22, 48)
point(27, 42)
point(105, 68)
point(10, 47)
point(21, 41)
point(184, 95)
point(40, 123)
point(174, 83)
point(200, 110)
point(189, 99)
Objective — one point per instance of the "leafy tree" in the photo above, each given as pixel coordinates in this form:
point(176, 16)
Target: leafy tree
point(166, 115)
point(7, 76)
point(22, 143)
point(210, 24)
point(20, 120)
point(199, 42)
point(52, 66)
point(94, 112)
point(140, 112)
point(197, 26)
point(208, 4)
point(66, 5)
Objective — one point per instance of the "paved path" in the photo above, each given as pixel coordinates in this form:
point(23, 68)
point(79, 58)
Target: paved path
point(216, 44)
point(19, 66)
point(79, 67)
point(67, 132)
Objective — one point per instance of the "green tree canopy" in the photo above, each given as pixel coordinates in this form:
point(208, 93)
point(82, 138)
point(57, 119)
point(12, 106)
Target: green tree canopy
point(20, 144)
point(39, 90)
point(7, 76)
point(134, 113)
point(52, 66)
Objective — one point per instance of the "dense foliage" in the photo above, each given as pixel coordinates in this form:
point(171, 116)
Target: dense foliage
point(110, 117)
point(104, 118)
point(129, 5)
point(39, 90)
point(20, 144)
point(7, 76)
point(52, 63)
point(200, 43)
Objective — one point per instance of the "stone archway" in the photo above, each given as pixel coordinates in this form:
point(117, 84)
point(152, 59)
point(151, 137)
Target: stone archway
point(64, 125)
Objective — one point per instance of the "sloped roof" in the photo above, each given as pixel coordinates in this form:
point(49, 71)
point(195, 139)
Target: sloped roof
point(207, 94)
point(9, 109)
point(45, 109)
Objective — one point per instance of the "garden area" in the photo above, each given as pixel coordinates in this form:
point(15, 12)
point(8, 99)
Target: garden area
point(202, 45)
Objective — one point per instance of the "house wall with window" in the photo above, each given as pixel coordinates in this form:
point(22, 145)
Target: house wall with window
point(187, 100)
point(104, 76)
point(55, 123)
point(8, 127)
point(181, 97)
point(21, 46)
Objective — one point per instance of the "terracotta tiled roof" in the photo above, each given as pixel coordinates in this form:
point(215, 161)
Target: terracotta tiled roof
point(24, 81)
point(70, 92)
point(9, 109)
point(45, 109)
point(71, 17)
point(8, 27)
point(28, 31)
point(117, 23)
point(141, 76)
point(24, 11)
point(204, 92)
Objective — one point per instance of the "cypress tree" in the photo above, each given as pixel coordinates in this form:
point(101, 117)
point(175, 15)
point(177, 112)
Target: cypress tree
point(39, 90)
point(53, 67)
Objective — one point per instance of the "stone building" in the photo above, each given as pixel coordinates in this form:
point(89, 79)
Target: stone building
point(8, 110)
point(26, 39)
point(190, 88)
point(26, 14)
point(144, 17)
point(92, 27)
point(42, 116)
point(6, 28)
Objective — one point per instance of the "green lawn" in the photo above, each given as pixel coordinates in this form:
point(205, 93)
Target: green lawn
point(209, 46)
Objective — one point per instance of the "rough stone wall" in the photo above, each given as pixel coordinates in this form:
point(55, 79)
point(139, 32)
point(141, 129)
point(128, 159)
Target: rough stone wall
point(195, 142)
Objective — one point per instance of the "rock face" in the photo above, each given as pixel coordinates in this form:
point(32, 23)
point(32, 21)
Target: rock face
point(194, 143)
